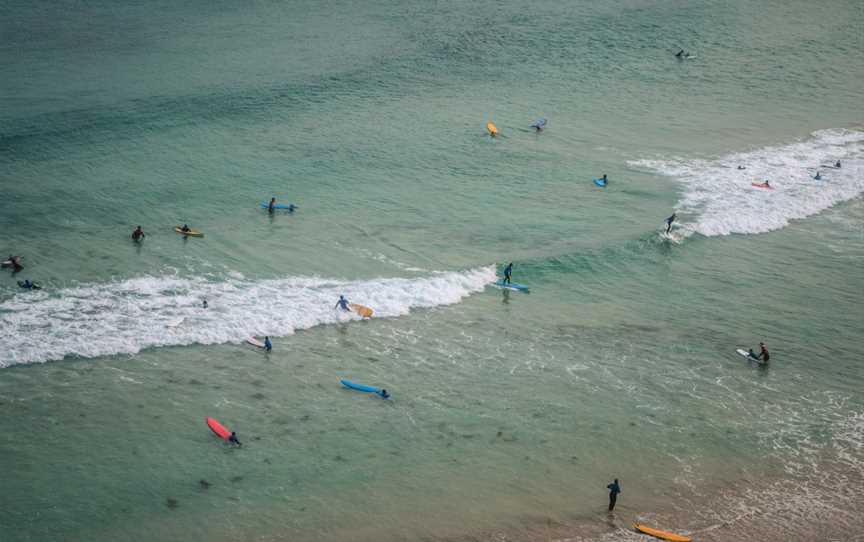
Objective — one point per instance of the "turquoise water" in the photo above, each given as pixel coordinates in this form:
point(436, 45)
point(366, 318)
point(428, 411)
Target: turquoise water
point(510, 412)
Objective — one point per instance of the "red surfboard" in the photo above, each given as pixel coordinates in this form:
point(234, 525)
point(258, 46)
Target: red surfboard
point(218, 428)
point(760, 185)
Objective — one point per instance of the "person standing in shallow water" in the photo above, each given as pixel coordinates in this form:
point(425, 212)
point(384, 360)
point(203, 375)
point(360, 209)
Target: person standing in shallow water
point(614, 490)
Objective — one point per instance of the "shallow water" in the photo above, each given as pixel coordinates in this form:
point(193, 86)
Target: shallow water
point(510, 412)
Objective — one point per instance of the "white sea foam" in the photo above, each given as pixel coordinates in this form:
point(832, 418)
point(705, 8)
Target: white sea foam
point(125, 317)
point(718, 198)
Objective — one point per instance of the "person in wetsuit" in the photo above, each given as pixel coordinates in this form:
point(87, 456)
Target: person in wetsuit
point(233, 439)
point(384, 394)
point(507, 272)
point(763, 356)
point(669, 222)
point(267, 344)
point(614, 489)
point(272, 205)
point(343, 304)
point(138, 234)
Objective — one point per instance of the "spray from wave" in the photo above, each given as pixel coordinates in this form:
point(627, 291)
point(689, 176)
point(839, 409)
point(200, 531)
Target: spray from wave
point(125, 317)
point(723, 202)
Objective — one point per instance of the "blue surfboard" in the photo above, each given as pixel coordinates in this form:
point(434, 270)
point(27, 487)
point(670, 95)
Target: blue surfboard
point(362, 387)
point(539, 124)
point(600, 182)
point(290, 206)
point(512, 286)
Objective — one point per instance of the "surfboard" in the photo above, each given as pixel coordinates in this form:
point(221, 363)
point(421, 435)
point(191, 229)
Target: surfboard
point(671, 237)
point(747, 355)
point(361, 387)
point(539, 124)
point(762, 186)
point(289, 206)
point(255, 342)
point(362, 310)
point(512, 286)
point(33, 285)
point(190, 233)
point(493, 130)
point(600, 182)
point(10, 263)
point(665, 535)
point(218, 428)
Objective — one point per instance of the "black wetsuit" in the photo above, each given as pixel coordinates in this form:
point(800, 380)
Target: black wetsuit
point(614, 490)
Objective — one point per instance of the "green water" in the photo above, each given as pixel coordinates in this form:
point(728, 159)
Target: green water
point(510, 411)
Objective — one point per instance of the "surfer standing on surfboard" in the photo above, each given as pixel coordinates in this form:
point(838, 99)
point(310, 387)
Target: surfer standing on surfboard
point(669, 222)
point(507, 272)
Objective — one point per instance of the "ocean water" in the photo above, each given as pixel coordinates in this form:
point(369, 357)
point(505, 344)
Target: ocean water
point(510, 411)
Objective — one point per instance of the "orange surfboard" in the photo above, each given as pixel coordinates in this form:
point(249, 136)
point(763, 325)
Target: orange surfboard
point(665, 535)
point(362, 310)
point(493, 130)
point(218, 428)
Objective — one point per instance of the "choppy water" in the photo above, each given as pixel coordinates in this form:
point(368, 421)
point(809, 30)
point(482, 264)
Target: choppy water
point(511, 412)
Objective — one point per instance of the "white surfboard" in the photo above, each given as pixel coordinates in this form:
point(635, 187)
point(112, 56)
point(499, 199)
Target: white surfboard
point(255, 342)
point(747, 355)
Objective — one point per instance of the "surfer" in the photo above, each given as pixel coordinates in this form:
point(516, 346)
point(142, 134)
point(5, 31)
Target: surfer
point(233, 439)
point(614, 489)
point(765, 185)
point(605, 180)
point(27, 284)
point(818, 176)
point(138, 234)
point(204, 304)
point(763, 356)
point(267, 344)
point(507, 272)
point(342, 304)
point(669, 222)
point(384, 394)
point(14, 262)
point(741, 167)
point(837, 164)
point(753, 354)
point(185, 228)
point(679, 54)
point(272, 205)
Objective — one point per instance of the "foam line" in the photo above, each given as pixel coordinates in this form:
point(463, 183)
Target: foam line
point(127, 316)
point(719, 200)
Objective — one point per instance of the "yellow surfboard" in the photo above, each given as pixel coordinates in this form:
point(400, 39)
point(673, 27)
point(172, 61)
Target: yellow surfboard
point(665, 535)
point(192, 233)
point(493, 130)
point(362, 310)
